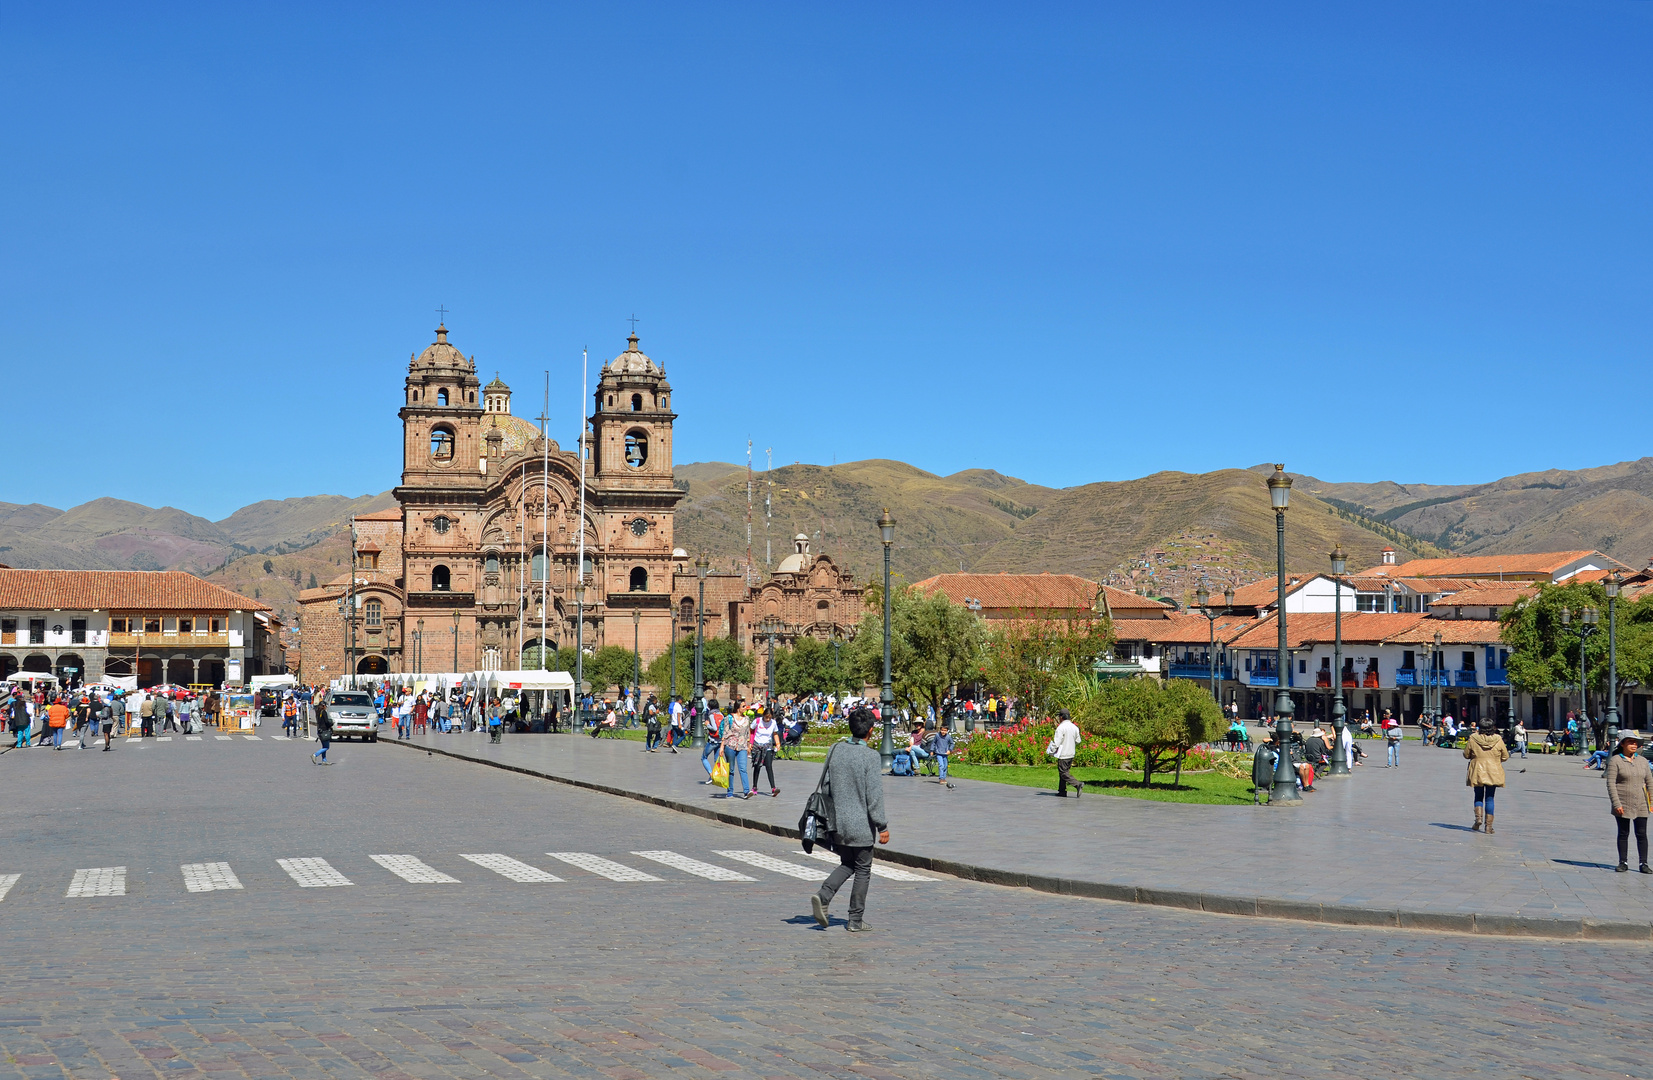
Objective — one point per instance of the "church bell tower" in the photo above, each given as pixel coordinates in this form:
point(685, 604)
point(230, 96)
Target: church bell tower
point(631, 423)
point(441, 419)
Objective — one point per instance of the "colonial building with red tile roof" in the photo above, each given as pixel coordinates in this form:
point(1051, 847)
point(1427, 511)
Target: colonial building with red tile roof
point(1551, 566)
point(162, 627)
point(1041, 596)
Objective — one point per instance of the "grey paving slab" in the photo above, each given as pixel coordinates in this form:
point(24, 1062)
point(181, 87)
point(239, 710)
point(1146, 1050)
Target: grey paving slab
point(1387, 838)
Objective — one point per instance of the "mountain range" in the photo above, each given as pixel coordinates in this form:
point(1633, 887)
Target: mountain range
point(1164, 533)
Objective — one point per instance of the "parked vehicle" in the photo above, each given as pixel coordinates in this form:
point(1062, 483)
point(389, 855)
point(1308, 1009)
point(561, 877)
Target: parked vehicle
point(353, 714)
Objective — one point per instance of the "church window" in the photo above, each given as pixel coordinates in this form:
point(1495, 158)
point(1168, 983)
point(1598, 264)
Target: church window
point(538, 571)
point(491, 564)
point(367, 560)
point(373, 613)
point(637, 449)
point(639, 579)
point(441, 443)
point(439, 578)
point(637, 403)
point(662, 401)
point(441, 525)
point(441, 397)
point(611, 401)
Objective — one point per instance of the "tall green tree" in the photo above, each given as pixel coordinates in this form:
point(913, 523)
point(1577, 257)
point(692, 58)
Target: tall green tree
point(1544, 654)
point(659, 673)
point(1030, 657)
point(726, 662)
point(805, 668)
point(610, 666)
point(934, 645)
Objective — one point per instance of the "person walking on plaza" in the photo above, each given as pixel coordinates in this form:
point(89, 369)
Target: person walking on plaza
point(709, 752)
point(737, 746)
point(324, 734)
point(57, 718)
point(857, 791)
point(1064, 744)
point(17, 711)
point(940, 749)
point(1629, 779)
point(765, 735)
point(1521, 738)
point(1486, 753)
point(105, 714)
point(1391, 739)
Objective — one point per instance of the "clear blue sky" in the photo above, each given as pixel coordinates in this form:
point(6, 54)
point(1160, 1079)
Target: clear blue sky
point(1071, 243)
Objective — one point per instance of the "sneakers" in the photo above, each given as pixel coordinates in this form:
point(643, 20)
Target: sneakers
point(818, 908)
point(1647, 869)
point(1622, 868)
point(858, 928)
point(774, 791)
point(1078, 789)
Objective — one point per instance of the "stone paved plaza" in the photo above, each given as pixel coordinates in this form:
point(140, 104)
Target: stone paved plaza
point(1385, 844)
point(258, 961)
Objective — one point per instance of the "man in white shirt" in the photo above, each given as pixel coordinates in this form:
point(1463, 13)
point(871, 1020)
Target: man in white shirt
point(1064, 744)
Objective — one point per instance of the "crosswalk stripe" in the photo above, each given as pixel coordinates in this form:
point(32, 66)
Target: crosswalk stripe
point(6, 882)
point(516, 870)
point(209, 876)
point(253, 738)
point(312, 873)
point(411, 868)
point(98, 881)
point(192, 738)
point(279, 738)
point(222, 738)
point(163, 738)
point(878, 868)
point(766, 862)
point(600, 866)
point(694, 866)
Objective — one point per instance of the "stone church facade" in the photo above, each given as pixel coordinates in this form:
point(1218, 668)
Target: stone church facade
point(483, 548)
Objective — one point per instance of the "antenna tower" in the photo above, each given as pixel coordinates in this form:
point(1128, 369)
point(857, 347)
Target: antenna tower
point(751, 575)
point(768, 513)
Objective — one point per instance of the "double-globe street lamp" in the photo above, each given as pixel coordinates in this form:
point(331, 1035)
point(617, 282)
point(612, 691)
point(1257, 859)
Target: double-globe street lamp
point(697, 720)
point(1202, 597)
point(1340, 757)
point(770, 626)
point(1284, 792)
point(1588, 622)
point(579, 652)
point(886, 751)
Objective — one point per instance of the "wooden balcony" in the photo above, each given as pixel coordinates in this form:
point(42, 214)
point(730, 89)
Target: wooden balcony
point(126, 642)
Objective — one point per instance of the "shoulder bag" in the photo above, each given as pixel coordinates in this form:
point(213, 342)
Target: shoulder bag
point(819, 821)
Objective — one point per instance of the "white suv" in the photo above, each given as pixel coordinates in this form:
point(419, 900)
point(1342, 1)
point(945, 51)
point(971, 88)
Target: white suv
point(352, 713)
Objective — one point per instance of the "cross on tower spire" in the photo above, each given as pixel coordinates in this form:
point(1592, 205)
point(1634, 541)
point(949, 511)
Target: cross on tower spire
point(442, 314)
point(633, 321)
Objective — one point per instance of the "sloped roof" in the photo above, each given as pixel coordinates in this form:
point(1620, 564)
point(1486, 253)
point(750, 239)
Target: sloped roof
point(123, 590)
point(394, 513)
point(1314, 628)
point(1035, 592)
point(1544, 562)
point(1265, 591)
point(1183, 629)
point(1488, 594)
point(1452, 631)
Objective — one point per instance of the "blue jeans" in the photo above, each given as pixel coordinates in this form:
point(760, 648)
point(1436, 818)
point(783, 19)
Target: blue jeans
point(708, 752)
point(1484, 794)
point(941, 760)
point(1394, 754)
point(738, 760)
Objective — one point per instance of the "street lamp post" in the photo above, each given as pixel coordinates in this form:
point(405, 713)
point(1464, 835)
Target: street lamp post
point(419, 648)
point(1340, 758)
point(886, 531)
point(1612, 584)
point(1437, 671)
point(671, 695)
point(1202, 597)
point(1587, 625)
point(696, 728)
point(579, 650)
point(1284, 792)
point(770, 627)
point(970, 715)
point(837, 679)
point(636, 660)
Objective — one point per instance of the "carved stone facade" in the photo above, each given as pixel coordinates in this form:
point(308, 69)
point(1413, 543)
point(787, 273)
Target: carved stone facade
point(484, 548)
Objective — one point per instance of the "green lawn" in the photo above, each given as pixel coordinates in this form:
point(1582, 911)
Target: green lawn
point(1206, 787)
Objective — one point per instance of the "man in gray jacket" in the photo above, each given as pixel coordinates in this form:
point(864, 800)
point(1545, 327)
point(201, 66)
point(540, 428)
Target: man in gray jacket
point(853, 777)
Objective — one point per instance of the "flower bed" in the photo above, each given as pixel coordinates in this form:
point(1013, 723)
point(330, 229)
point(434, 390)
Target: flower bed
point(1024, 742)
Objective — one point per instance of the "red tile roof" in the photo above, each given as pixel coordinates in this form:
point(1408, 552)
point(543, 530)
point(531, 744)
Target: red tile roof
point(1488, 594)
point(1265, 591)
point(1545, 562)
point(1034, 592)
point(1452, 631)
point(1313, 628)
point(393, 514)
point(1182, 629)
point(117, 590)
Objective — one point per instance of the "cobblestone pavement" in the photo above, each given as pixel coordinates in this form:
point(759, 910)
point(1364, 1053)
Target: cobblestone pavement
point(403, 974)
point(1383, 839)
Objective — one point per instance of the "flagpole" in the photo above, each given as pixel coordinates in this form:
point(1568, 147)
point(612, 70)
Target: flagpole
point(545, 512)
point(579, 586)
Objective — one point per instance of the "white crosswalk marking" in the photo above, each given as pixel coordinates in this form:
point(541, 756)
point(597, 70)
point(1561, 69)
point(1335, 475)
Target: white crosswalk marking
point(694, 866)
point(279, 738)
point(209, 876)
point(163, 738)
point(516, 870)
point(192, 738)
point(6, 882)
point(98, 881)
point(222, 738)
point(766, 862)
point(253, 738)
point(878, 868)
point(601, 867)
point(312, 873)
point(411, 868)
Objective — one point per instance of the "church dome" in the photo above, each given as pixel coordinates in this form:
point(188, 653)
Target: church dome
point(795, 563)
point(634, 362)
point(442, 355)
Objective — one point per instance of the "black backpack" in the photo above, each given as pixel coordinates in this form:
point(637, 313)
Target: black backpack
point(820, 821)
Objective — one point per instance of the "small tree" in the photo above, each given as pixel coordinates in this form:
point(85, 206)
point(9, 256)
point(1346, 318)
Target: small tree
point(1030, 657)
point(659, 671)
point(610, 665)
point(805, 668)
point(724, 661)
point(1163, 720)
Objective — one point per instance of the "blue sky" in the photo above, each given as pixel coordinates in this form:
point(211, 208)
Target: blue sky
point(1070, 243)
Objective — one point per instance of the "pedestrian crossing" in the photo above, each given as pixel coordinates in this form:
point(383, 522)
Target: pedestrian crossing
point(316, 872)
